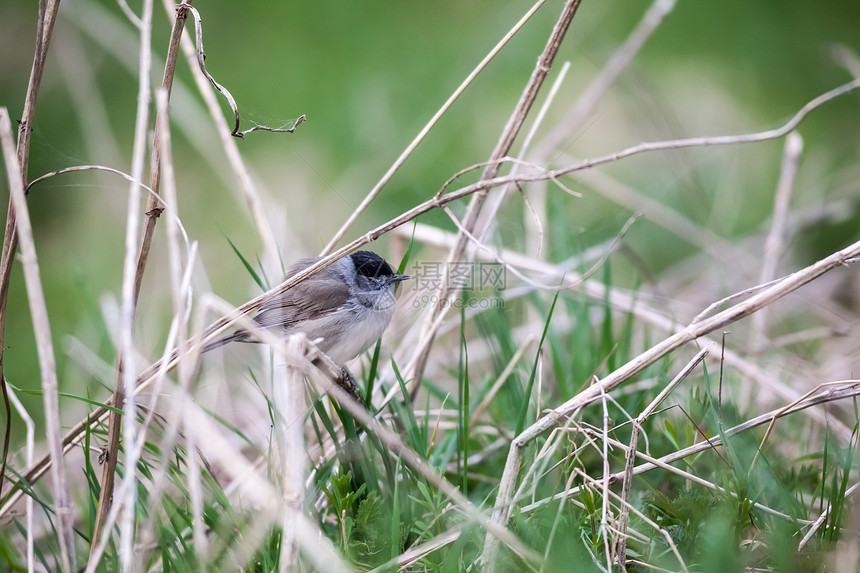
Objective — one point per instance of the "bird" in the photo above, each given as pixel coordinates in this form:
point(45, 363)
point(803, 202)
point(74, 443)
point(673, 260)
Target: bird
point(343, 308)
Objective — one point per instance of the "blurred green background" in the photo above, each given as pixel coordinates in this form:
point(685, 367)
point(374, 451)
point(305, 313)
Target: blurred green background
point(368, 75)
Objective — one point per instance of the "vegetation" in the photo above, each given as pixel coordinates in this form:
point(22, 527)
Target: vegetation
point(611, 356)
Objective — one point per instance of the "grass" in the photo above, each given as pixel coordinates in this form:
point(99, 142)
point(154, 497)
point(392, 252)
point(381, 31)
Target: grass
point(374, 508)
point(513, 454)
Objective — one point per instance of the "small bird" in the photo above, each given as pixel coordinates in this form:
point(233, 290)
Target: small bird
point(344, 308)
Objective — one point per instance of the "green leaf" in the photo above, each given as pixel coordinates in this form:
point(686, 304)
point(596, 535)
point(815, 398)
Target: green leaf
point(247, 265)
point(521, 422)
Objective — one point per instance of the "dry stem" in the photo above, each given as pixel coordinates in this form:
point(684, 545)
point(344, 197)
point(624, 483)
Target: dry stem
point(639, 363)
point(426, 129)
point(473, 213)
point(631, 452)
point(132, 279)
point(849, 390)
point(44, 28)
point(234, 158)
point(44, 345)
point(774, 244)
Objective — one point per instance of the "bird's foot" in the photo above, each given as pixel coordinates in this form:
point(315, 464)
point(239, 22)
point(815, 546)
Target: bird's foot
point(347, 383)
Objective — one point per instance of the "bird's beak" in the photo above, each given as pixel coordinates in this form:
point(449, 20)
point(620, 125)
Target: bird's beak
point(398, 278)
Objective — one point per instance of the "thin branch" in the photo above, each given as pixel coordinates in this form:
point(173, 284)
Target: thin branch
point(472, 220)
point(44, 28)
point(290, 404)
point(604, 485)
point(129, 13)
point(426, 129)
point(822, 519)
point(736, 296)
point(832, 392)
point(124, 175)
point(630, 460)
point(201, 62)
point(800, 400)
point(234, 158)
point(774, 244)
point(658, 351)
point(781, 131)
point(44, 345)
point(297, 122)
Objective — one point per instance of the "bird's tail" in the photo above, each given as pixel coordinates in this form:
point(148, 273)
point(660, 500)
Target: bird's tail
point(238, 336)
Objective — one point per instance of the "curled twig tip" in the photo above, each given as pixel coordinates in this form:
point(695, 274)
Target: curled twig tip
point(201, 59)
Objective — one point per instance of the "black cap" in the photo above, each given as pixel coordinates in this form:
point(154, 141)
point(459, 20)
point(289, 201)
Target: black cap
point(369, 264)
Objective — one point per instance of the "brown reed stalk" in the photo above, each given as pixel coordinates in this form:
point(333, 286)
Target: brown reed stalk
point(153, 211)
point(473, 211)
point(44, 346)
point(444, 197)
point(44, 31)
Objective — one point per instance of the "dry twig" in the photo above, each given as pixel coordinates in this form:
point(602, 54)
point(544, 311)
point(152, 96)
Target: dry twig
point(44, 345)
point(473, 212)
point(630, 460)
point(849, 390)
point(201, 62)
point(504, 499)
point(132, 278)
point(774, 244)
point(44, 29)
point(426, 129)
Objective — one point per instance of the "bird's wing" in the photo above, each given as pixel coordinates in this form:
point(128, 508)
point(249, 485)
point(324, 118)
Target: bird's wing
point(310, 299)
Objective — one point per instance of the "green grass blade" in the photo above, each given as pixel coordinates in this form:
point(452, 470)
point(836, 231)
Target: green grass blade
point(247, 265)
point(521, 421)
point(463, 410)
